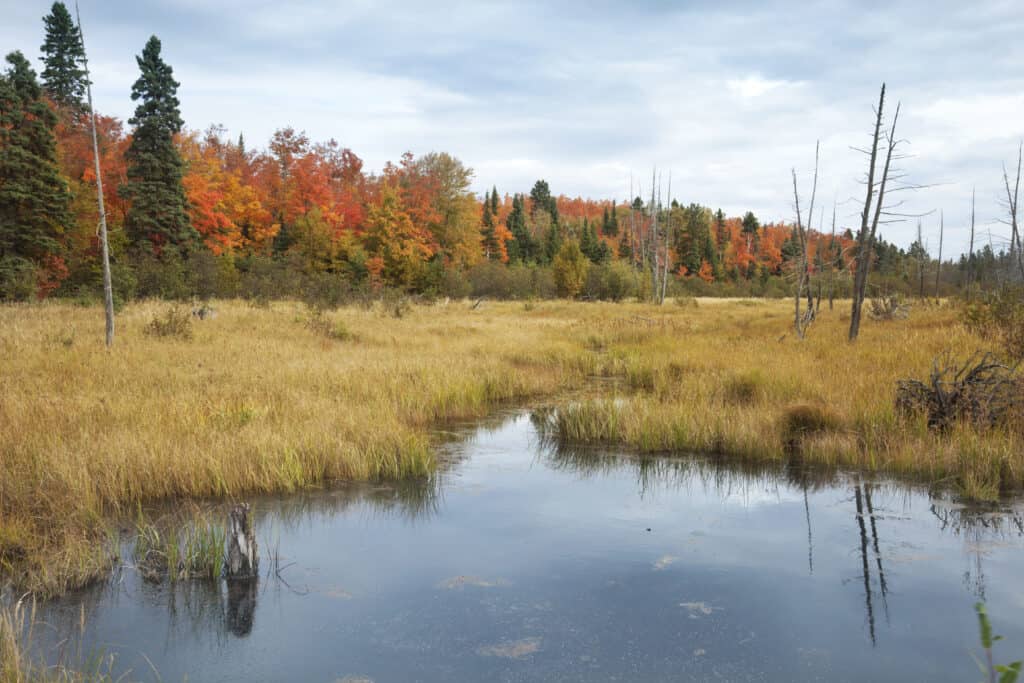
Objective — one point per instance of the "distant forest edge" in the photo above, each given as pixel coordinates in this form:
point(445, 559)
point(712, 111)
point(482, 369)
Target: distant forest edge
point(195, 214)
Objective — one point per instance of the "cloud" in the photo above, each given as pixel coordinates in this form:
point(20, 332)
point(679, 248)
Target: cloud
point(586, 94)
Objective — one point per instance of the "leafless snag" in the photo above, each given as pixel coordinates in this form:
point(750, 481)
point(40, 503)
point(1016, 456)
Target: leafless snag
point(108, 289)
point(872, 211)
point(802, 322)
point(1016, 248)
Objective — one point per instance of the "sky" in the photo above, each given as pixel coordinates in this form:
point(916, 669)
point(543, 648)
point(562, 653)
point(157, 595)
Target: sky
point(726, 97)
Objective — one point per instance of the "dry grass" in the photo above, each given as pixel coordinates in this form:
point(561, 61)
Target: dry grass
point(259, 401)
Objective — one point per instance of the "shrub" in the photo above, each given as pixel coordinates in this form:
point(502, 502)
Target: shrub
point(570, 269)
point(175, 322)
point(610, 282)
point(17, 279)
point(999, 316)
point(804, 419)
point(324, 326)
point(745, 389)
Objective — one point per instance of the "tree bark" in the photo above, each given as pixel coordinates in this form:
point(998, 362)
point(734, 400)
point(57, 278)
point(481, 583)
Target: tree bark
point(242, 561)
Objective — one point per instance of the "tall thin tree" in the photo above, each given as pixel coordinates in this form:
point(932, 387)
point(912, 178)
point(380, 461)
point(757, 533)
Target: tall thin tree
point(108, 289)
point(872, 210)
point(938, 265)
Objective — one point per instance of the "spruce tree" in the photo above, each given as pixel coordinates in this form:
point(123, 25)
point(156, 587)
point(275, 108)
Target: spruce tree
point(522, 247)
point(157, 219)
point(490, 242)
point(494, 201)
point(34, 199)
point(64, 56)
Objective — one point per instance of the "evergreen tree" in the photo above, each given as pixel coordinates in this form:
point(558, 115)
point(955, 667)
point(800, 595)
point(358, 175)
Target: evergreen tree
point(750, 223)
point(34, 199)
point(522, 247)
point(157, 218)
point(552, 241)
point(489, 239)
point(611, 228)
point(494, 201)
point(625, 247)
point(586, 240)
point(64, 57)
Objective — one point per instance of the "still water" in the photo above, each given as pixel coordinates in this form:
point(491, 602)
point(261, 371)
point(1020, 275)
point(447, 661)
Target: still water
point(521, 562)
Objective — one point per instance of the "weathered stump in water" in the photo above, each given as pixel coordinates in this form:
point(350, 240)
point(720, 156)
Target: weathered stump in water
point(241, 606)
point(242, 560)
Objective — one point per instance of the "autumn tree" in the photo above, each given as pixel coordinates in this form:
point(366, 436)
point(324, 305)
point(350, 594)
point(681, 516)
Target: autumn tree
point(456, 225)
point(34, 198)
point(63, 56)
point(570, 268)
point(158, 219)
point(398, 247)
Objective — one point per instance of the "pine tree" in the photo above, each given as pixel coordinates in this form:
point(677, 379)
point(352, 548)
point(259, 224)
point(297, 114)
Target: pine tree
point(34, 199)
point(157, 218)
point(494, 201)
point(522, 247)
point(613, 221)
point(489, 239)
point(64, 56)
point(587, 240)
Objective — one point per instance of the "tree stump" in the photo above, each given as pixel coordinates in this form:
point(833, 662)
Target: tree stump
point(242, 560)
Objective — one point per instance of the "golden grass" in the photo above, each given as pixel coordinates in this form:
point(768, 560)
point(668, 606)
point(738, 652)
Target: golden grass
point(261, 400)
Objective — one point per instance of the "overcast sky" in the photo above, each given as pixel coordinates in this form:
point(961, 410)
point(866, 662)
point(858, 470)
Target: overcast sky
point(728, 96)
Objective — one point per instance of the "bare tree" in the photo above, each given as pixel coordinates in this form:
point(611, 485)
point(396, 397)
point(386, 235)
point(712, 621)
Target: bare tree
point(669, 229)
point(1016, 249)
point(801, 322)
point(108, 289)
point(938, 265)
point(970, 250)
point(872, 211)
point(832, 259)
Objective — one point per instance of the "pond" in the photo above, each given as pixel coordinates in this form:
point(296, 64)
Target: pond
point(524, 562)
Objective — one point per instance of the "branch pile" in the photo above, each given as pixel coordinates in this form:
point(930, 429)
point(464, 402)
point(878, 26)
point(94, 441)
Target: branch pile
point(981, 391)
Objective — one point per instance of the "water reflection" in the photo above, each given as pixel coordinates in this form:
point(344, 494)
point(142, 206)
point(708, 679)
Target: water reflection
point(523, 559)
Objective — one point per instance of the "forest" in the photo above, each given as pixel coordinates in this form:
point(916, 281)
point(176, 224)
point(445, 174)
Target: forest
point(201, 213)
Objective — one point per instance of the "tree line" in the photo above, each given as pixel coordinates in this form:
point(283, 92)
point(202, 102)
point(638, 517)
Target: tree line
point(201, 213)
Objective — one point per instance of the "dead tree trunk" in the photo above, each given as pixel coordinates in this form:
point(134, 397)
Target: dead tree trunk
point(800, 322)
point(1016, 250)
point(869, 218)
point(938, 264)
point(242, 559)
point(108, 289)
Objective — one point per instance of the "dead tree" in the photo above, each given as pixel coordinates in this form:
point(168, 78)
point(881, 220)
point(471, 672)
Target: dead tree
point(108, 289)
point(1016, 248)
point(938, 264)
point(872, 211)
point(981, 391)
point(922, 255)
point(801, 322)
point(668, 237)
point(832, 259)
point(970, 250)
point(242, 559)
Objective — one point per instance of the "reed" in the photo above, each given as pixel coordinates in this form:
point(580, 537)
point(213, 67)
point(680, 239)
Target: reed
point(257, 400)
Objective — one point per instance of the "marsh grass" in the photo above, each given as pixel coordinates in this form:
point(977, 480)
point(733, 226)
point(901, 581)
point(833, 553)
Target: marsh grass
point(256, 403)
point(18, 626)
point(177, 550)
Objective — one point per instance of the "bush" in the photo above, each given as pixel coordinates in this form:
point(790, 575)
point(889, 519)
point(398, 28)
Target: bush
point(165, 277)
point(175, 322)
point(1000, 316)
point(610, 282)
point(803, 419)
point(17, 279)
point(570, 270)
